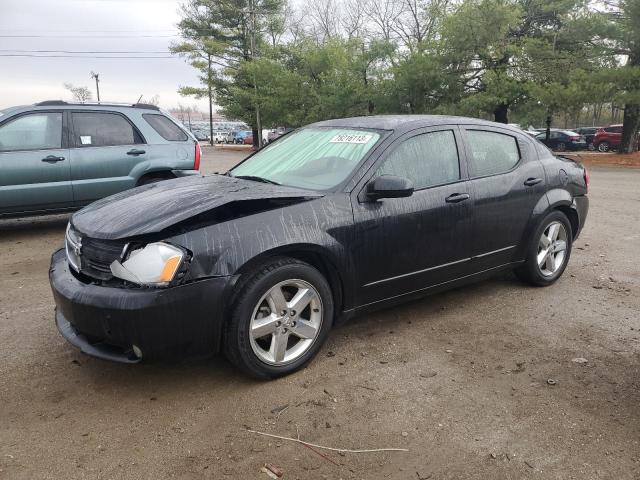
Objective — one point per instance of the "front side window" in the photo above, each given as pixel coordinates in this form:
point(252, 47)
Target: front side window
point(492, 152)
point(35, 131)
point(312, 158)
point(165, 127)
point(102, 129)
point(428, 159)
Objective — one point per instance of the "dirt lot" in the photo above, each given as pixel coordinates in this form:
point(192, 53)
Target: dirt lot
point(477, 383)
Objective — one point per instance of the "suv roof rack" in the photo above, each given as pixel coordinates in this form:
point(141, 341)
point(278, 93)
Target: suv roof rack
point(53, 103)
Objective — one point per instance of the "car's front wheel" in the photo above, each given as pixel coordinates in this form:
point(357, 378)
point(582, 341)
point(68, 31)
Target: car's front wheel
point(281, 314)
point(548, 252)
point(604, 147)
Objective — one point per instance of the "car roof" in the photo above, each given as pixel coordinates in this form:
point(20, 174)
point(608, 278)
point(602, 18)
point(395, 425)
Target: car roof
point(61, 104)
point(396, 122)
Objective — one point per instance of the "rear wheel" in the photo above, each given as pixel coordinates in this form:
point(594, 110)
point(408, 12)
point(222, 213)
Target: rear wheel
point(604, 147)
point(549, 251)
point(561, 147)
point(281, 314)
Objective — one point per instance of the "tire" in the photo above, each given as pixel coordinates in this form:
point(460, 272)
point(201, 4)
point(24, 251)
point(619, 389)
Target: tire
point(591, 147)
point(604, 147)
point(561, 147)
point(555, 262)
point(256, 307)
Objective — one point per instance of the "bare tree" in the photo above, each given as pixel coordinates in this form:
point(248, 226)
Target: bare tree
point(418, 20)
point(80, 94)
point(382, 14)
point(354, 18)
point(324, 16)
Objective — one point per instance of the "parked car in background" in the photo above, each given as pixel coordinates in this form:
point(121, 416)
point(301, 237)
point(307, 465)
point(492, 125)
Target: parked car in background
point(561, 140)
point(238, 136)
point(607, 138)
point(277, 133)
point(588, 133)
point(220, 136)
point(336, 219)
point(248, 138)
point(200, 134)
point(57, 156)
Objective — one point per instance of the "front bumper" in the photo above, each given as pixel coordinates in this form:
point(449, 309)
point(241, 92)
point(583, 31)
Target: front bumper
point(107, 322)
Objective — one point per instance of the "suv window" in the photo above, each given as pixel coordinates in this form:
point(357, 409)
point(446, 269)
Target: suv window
point(492, 152)
point(35, 131)
point(102, 129)
point(613, 129)
point(428, 159)
point(165, 127)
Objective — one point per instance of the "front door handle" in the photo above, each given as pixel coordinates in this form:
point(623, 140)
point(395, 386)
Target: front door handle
point(530, 182)
point(52, 159)
point(135, 151)
point(457, 197)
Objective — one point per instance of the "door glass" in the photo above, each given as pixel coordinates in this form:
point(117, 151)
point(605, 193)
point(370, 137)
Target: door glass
point(492, 152)
point(428, 159)
point(97, 129)
point(35, 131)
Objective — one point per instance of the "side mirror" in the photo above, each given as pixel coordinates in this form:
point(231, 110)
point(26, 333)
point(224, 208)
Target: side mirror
point(389, 186)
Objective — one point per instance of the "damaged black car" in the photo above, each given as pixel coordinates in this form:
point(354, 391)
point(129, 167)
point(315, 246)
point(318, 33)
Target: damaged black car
point(331, 220)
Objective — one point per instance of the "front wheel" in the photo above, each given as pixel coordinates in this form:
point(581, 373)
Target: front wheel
point(604, 147)
point(281, 314)
point(548, 252)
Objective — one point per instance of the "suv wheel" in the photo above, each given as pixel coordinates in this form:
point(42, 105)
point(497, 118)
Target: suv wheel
point(548, 252)
point(604, 147)
point(280, 316)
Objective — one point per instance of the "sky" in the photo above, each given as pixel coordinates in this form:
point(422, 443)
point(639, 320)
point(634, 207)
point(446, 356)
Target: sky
point(42, 28)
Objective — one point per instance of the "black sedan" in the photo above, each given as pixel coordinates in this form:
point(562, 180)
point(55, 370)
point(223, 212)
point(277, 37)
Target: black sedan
point(332, 220)
point(562, 140)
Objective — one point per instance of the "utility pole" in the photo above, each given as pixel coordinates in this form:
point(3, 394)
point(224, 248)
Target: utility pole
point(252, 13)
point(209, 80)
point(96, 75)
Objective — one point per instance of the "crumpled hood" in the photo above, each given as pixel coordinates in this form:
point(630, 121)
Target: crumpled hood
point(154, 207)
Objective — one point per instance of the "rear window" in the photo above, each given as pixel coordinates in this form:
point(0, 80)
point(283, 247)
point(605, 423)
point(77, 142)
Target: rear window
point(101, 129)
point(613, 129)
point(165, 127)
point(492, 152)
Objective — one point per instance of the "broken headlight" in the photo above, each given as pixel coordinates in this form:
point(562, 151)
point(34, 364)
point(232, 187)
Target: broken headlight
point(155, 264)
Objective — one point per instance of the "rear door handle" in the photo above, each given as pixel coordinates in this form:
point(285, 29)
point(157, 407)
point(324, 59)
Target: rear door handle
point(52, 159)
point(135, 151)
point(457, 197)
point(530, 182)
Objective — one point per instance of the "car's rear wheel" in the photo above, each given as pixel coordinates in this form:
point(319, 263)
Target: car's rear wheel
point(604, 147)
point(561, 147)
point(548, 252)
point(281, 314)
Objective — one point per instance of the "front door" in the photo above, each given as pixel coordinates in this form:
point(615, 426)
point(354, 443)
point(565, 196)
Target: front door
point(107, 147)
point(507, 180)
point(408, 244)
point(34, 164)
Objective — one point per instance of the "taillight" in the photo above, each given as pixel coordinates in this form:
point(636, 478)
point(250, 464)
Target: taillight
point(196, 162)
point(574, 139)
point(586, 179)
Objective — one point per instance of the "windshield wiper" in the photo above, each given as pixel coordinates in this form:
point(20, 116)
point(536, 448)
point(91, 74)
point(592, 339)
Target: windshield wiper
point(255, 179)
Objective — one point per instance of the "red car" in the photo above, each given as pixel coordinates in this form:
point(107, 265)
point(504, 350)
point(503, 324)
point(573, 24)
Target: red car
point(607, 138)
point(248, 139)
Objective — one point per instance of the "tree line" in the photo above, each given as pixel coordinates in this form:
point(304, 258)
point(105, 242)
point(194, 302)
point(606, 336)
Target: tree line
point(574, 62)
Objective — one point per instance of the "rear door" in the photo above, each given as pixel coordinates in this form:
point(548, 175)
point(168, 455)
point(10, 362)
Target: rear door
point(507, 180)
point(106, 147)
point(408, 244)
point(34, 163)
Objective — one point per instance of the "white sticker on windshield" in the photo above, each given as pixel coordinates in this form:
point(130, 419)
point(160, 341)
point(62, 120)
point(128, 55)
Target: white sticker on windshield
point(85, 139)
point(349, 138)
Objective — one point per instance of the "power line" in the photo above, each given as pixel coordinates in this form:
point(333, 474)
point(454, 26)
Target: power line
point(82, 56)
point(16, 51)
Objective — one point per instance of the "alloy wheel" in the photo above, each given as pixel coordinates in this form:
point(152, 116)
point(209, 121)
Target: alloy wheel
point(285, 322)
point(603, 147)
point(552, 249)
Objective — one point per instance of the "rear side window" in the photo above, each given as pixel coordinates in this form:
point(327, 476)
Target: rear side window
point(613, 129)
point(428, 159)
point(35, 131)
point(165, 127)
point(102, 129)
point(492, 152)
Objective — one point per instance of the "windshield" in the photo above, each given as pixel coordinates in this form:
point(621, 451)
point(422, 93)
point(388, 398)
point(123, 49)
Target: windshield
point(311, 158)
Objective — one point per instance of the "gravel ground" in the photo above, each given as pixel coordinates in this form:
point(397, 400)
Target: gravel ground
point(478, 382)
